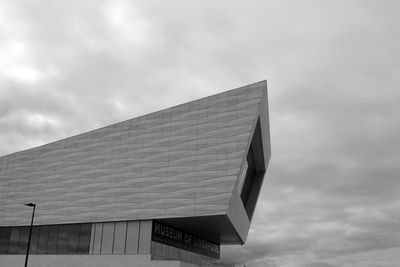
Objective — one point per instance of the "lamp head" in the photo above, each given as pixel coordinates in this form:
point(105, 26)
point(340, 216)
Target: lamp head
point(30, 204)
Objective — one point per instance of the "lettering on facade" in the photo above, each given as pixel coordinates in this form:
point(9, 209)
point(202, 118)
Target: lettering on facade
point(177, 238)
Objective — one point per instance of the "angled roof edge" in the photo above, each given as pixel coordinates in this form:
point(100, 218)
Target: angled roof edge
point(135, 118)
point(236, 211)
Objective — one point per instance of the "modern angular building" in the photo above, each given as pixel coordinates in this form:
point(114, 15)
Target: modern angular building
point(163, 189)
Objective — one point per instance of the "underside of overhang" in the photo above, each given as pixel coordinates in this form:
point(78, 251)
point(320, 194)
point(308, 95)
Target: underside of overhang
point(216, 228)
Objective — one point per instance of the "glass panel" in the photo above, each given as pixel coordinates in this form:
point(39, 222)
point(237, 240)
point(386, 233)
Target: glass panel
point(108, 237)
point(165, 251)
point(132, 237)
point(98, 235)
point(174, 253)
point(43, 237)
point(92, 238)
point(53, 239)
point(73, 238)
point(156, 251)
point(161, 251)
point(23, 240)
point(145, 237)
point(5, 233)
point(242, 177)
point(84, 238)
point(14, 238)
point(63, 239)
point(249, 178)
point(119, 238)
point(34, 240)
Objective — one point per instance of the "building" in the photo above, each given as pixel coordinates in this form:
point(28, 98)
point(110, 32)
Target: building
point(163, 189)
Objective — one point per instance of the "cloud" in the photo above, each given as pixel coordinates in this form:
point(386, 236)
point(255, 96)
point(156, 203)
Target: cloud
point(331, 190)
point(320, 264)
point(377, 258)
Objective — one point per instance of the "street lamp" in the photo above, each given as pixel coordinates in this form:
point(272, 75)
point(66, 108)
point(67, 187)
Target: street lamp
point(30, 231)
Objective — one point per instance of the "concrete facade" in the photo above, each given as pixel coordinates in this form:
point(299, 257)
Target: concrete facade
point(187, 166)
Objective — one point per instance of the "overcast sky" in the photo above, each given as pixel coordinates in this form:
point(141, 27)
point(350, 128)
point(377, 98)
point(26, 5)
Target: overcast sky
point(331, 196)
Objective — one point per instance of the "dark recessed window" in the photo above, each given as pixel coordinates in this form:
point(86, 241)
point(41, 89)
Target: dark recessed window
point(23, 240)
point(5, 233)
point(84, 238)
point(249, 177)
point(53, 239)
point(63, 239)
point(43, 238)
point(14, 239)
point(34, 240)
point(46, 239)
point(73, 239)
point(253, 173)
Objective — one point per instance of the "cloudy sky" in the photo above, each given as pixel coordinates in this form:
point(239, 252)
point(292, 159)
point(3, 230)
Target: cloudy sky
point(332, 193)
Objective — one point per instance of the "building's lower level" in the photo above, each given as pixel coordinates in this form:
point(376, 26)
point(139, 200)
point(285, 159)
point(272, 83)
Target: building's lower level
point(107, 244)
point(100, 261)
point(89, 261)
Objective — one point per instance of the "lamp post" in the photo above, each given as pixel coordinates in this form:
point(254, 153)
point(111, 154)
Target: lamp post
point(30, 231)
